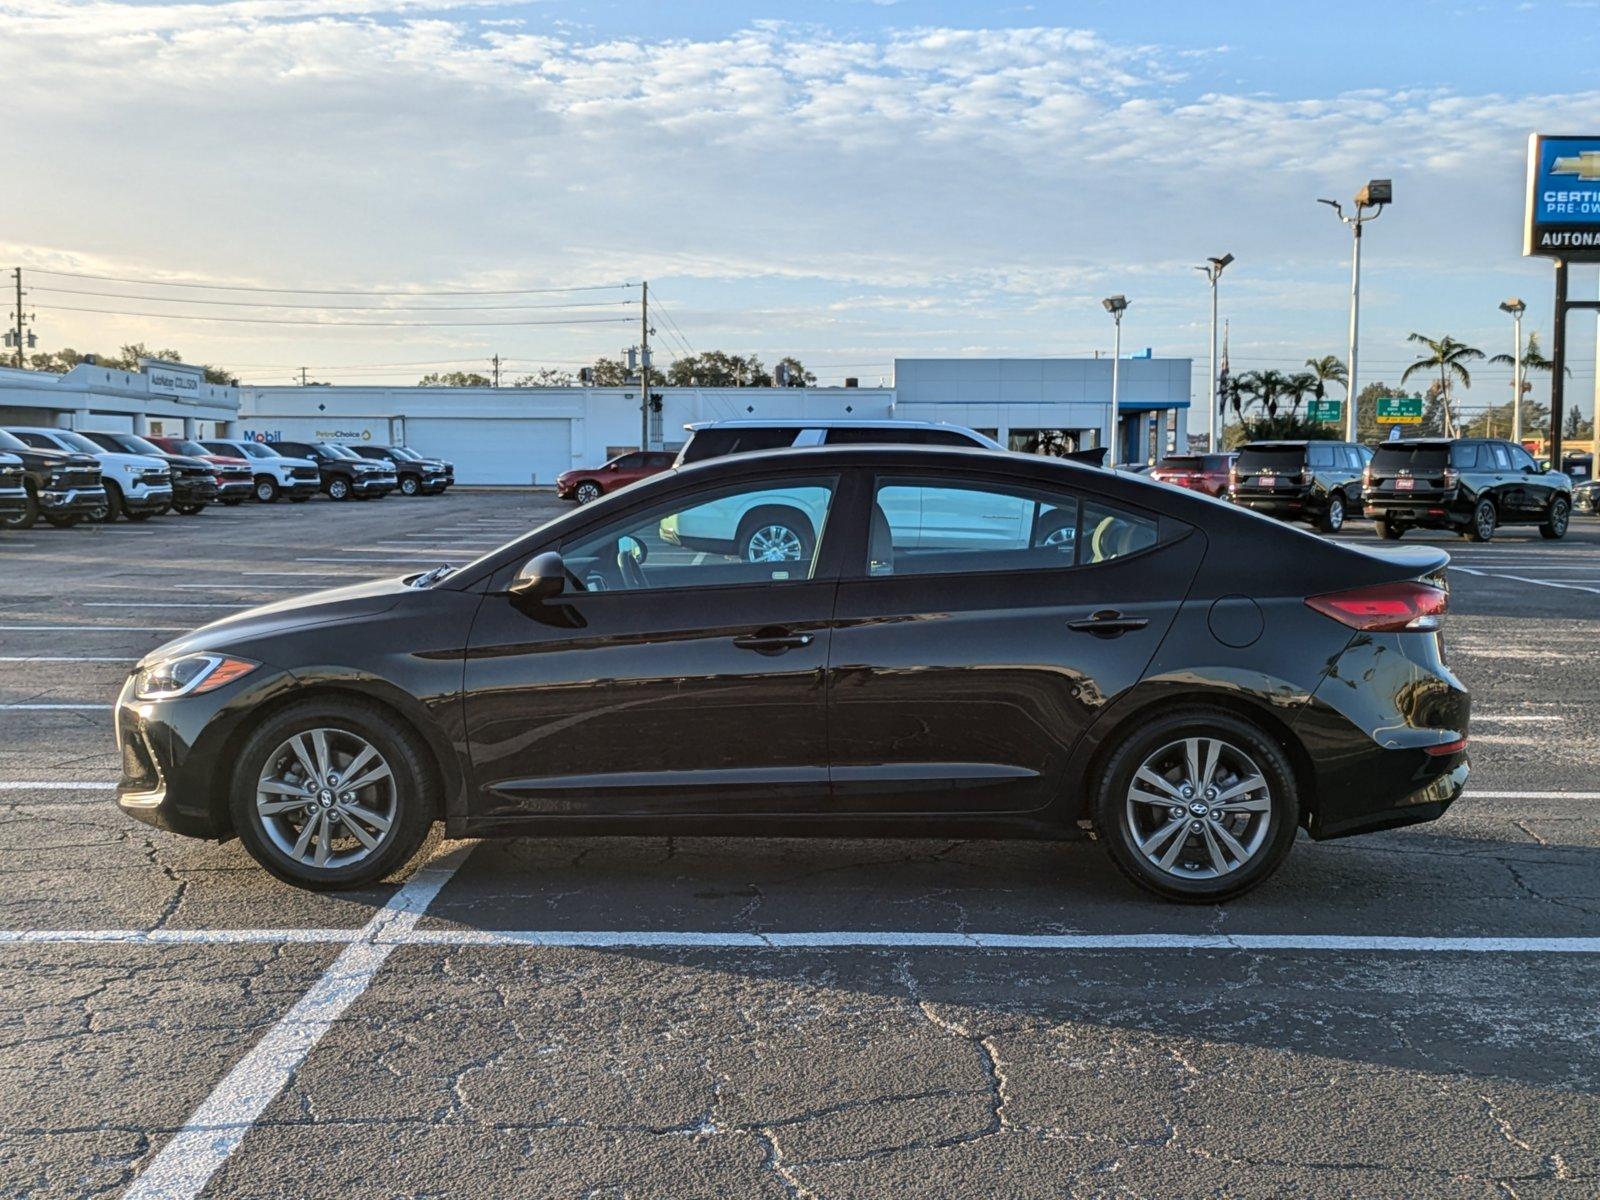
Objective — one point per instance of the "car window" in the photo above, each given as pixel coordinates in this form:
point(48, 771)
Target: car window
point(1393, 457)
point(1521, 460)
point(767, 532)
point(38, 441)
point(659, 460)
point(1271, 460)
point(629, 462)
point(928, 526)
point(715, 443)
point(1502, 460)
point(1320, 457)
point(1352, 458)
point(1464, 456)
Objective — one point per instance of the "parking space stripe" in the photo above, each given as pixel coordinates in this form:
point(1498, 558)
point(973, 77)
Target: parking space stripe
point(58, 707)
point(93, 628)
point(215, 1129)
point(1575, 587)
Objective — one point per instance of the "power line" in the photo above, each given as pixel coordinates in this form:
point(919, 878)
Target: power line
point(332, 324)
point(372, 308)
point(241, 287)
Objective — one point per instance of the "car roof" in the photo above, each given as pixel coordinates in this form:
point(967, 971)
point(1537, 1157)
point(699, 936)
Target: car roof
point(889, 454)
point(823, 423)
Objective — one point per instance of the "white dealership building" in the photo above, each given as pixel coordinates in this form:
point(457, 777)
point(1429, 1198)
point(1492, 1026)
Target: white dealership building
point(530, 435)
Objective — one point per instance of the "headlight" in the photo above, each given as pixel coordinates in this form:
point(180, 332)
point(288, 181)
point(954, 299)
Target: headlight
point(188, 675)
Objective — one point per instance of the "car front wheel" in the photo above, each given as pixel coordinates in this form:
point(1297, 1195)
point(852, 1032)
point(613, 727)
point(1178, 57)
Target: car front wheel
point(267, 489)
point(587, 493)
point(1556, 520)
point(1197, 806)
point(339, 489)
point(409, 486)
point(330, 794)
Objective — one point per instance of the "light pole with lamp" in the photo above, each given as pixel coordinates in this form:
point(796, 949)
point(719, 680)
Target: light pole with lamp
point(1213, 270)
point(1116, 306)
point(1377, 194)
point(1516, 308)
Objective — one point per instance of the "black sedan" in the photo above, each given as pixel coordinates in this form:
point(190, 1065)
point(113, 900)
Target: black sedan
point(895, 640)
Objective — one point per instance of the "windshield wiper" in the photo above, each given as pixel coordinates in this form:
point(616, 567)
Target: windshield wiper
point(433, 576)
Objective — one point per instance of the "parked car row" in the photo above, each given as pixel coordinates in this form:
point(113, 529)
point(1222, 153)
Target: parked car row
point(66, 476)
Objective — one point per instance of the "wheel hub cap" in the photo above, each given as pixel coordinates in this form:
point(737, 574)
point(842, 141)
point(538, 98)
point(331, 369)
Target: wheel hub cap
point(1198, 808)
point(326, 798)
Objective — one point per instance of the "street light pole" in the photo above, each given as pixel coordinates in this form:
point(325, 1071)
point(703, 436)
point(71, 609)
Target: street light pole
point(1377, 194)
point(1516, 308)
point(1116, 306)
point(1213, 270)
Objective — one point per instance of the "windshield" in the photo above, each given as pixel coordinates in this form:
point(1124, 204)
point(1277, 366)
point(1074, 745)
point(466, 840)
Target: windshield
point(195, 448)
point(7, 442)
point(337, 451)
point(134, 444)
point(1255, 459)
point(257, 450)
point(406, 453)
point(77, 441)
point(1410, 456)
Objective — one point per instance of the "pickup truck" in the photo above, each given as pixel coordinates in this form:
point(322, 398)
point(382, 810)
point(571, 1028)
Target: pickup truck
point(62, 488)
point(275, 474)
point(236, 483)
point(194, 481)
point(418, 476)
point(344, 474)
point(136, 486)
point(13, 495)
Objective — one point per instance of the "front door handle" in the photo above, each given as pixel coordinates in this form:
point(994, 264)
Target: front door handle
point(772, 641)
point(1108, 623)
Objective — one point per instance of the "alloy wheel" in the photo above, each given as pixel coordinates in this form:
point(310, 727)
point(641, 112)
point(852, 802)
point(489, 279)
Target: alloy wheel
point(1560, 514)
point(774, 543)
point(587, 493)
point(1335, 514)
point(326, 798)
point(1199, 808)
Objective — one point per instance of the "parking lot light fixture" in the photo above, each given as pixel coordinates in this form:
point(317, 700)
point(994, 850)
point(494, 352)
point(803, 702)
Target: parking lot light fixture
point(1116, 306)
point(1377, 195)
point(1516, 308)
point(1213, 269)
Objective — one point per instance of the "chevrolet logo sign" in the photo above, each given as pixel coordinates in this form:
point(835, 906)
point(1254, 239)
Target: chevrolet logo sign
point(1585, 165)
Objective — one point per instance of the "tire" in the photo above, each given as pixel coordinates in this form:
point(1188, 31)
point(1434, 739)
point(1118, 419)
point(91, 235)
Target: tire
point(586, 492)
point(267, 489)
point(27, 518)
point(65, 522)
point(1484, 519)
point(409, 485)
point(1556, 520)
point(1132, 829)
point(1332, 519)
point(232, 502)
point(107, 513)
point(338, 488)
point(1388, 530)
point(774, 535)
point(188, 510)
point(408, 799)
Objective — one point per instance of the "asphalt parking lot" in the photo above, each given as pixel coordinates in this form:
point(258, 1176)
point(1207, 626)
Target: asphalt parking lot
point(1414, 1013)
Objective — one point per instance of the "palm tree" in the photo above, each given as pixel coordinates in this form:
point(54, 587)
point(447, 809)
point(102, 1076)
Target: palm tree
point(1447, 356)
point(1532, 360)
point(1300, 385)
point(1270, 387)
point(1328, 369)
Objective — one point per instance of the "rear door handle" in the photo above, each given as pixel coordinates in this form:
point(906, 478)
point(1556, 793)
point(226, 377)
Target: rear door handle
point(772, 643)
point(1108, 623)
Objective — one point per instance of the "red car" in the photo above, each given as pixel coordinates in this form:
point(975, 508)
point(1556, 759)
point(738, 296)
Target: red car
point(590, 483)
point(1206, 473)
point(235, 480)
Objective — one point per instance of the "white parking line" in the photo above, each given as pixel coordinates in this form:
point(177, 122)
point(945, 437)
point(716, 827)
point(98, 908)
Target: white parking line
point(215, 1129)
point(94, 628)
point(56, 707)
point(1575, 587)
point(160, 604)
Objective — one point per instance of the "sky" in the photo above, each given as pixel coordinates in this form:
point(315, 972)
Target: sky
point(842, 181)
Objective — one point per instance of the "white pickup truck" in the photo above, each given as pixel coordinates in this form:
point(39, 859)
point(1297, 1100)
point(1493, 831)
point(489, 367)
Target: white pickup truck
point(137, 486)
point(275, 474)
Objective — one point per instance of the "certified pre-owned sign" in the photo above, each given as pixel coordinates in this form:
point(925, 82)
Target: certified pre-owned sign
point(1563, 215)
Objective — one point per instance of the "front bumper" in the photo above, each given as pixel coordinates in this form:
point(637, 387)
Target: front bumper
point(72, 501)
point(300, 487)
point(152, 499)
point(194, 491)
point(373, 485)
point(229, 489)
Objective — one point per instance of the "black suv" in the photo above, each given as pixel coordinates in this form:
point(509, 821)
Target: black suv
point(1313, 481)
point(62, 487)
point(194, 481)
point(343, 474)
point(419, 476)
point(1469, 485)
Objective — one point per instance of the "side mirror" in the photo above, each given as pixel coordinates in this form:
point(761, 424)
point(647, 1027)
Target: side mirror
point(631, 547)
point(542, 576)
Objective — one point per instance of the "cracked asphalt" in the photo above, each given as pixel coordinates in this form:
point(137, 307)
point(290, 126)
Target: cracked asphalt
point(684, 1071)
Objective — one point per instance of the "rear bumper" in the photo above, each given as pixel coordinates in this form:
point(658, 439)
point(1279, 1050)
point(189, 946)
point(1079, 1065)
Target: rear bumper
point(1275, 506)
point(1415, 512)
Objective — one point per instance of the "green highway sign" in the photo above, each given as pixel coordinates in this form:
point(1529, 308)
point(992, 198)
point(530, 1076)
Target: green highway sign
point(1399, 410)
point(1327, 410)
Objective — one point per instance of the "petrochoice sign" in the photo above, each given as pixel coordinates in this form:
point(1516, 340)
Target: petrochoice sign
point(1563, 210)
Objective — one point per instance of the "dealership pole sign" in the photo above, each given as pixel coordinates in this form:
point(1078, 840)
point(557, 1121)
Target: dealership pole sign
point(1563, 211)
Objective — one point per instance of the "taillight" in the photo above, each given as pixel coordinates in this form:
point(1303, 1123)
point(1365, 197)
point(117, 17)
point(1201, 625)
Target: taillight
point(1385, 607)
point(1451, 477)
point(1305, 475)
point(1233, 476)
point(1366, 476)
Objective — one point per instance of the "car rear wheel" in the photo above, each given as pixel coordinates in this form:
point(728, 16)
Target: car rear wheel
point(1484, 519)
point(1333, 516)
point(774, 535)
point(409, 485)
point(266, 489)
point(1556, 520)
point(586, 492)
point(1387, 529)
point(1197, 806)
point(331, 794)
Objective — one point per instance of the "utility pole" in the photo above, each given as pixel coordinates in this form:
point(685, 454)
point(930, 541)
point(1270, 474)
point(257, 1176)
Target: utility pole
point(644, 366)
point(302, 377)
point(496, 361)
point(17, 271)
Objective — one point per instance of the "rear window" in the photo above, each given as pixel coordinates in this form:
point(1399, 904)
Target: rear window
point(1392, 457)
point(1255, 459)
point(1183, 462)
point(715, 443)
point(879, 435)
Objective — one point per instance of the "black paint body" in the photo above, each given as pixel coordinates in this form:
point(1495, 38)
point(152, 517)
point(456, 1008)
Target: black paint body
point(962, 702)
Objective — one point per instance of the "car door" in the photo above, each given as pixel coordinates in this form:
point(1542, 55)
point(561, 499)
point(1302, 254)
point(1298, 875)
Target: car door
point(961, 678)
point(666, 679)
point(1534, 487)
point(1503, 484)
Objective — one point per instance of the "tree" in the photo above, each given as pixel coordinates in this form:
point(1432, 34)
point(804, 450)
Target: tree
point(1328, 369)
point(798, 375)
point(546, 377)
point(461, 379)
point(717, 369)
point(1298, 387)
point(126, 359)
point(613, 372)
point(1448, 357)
